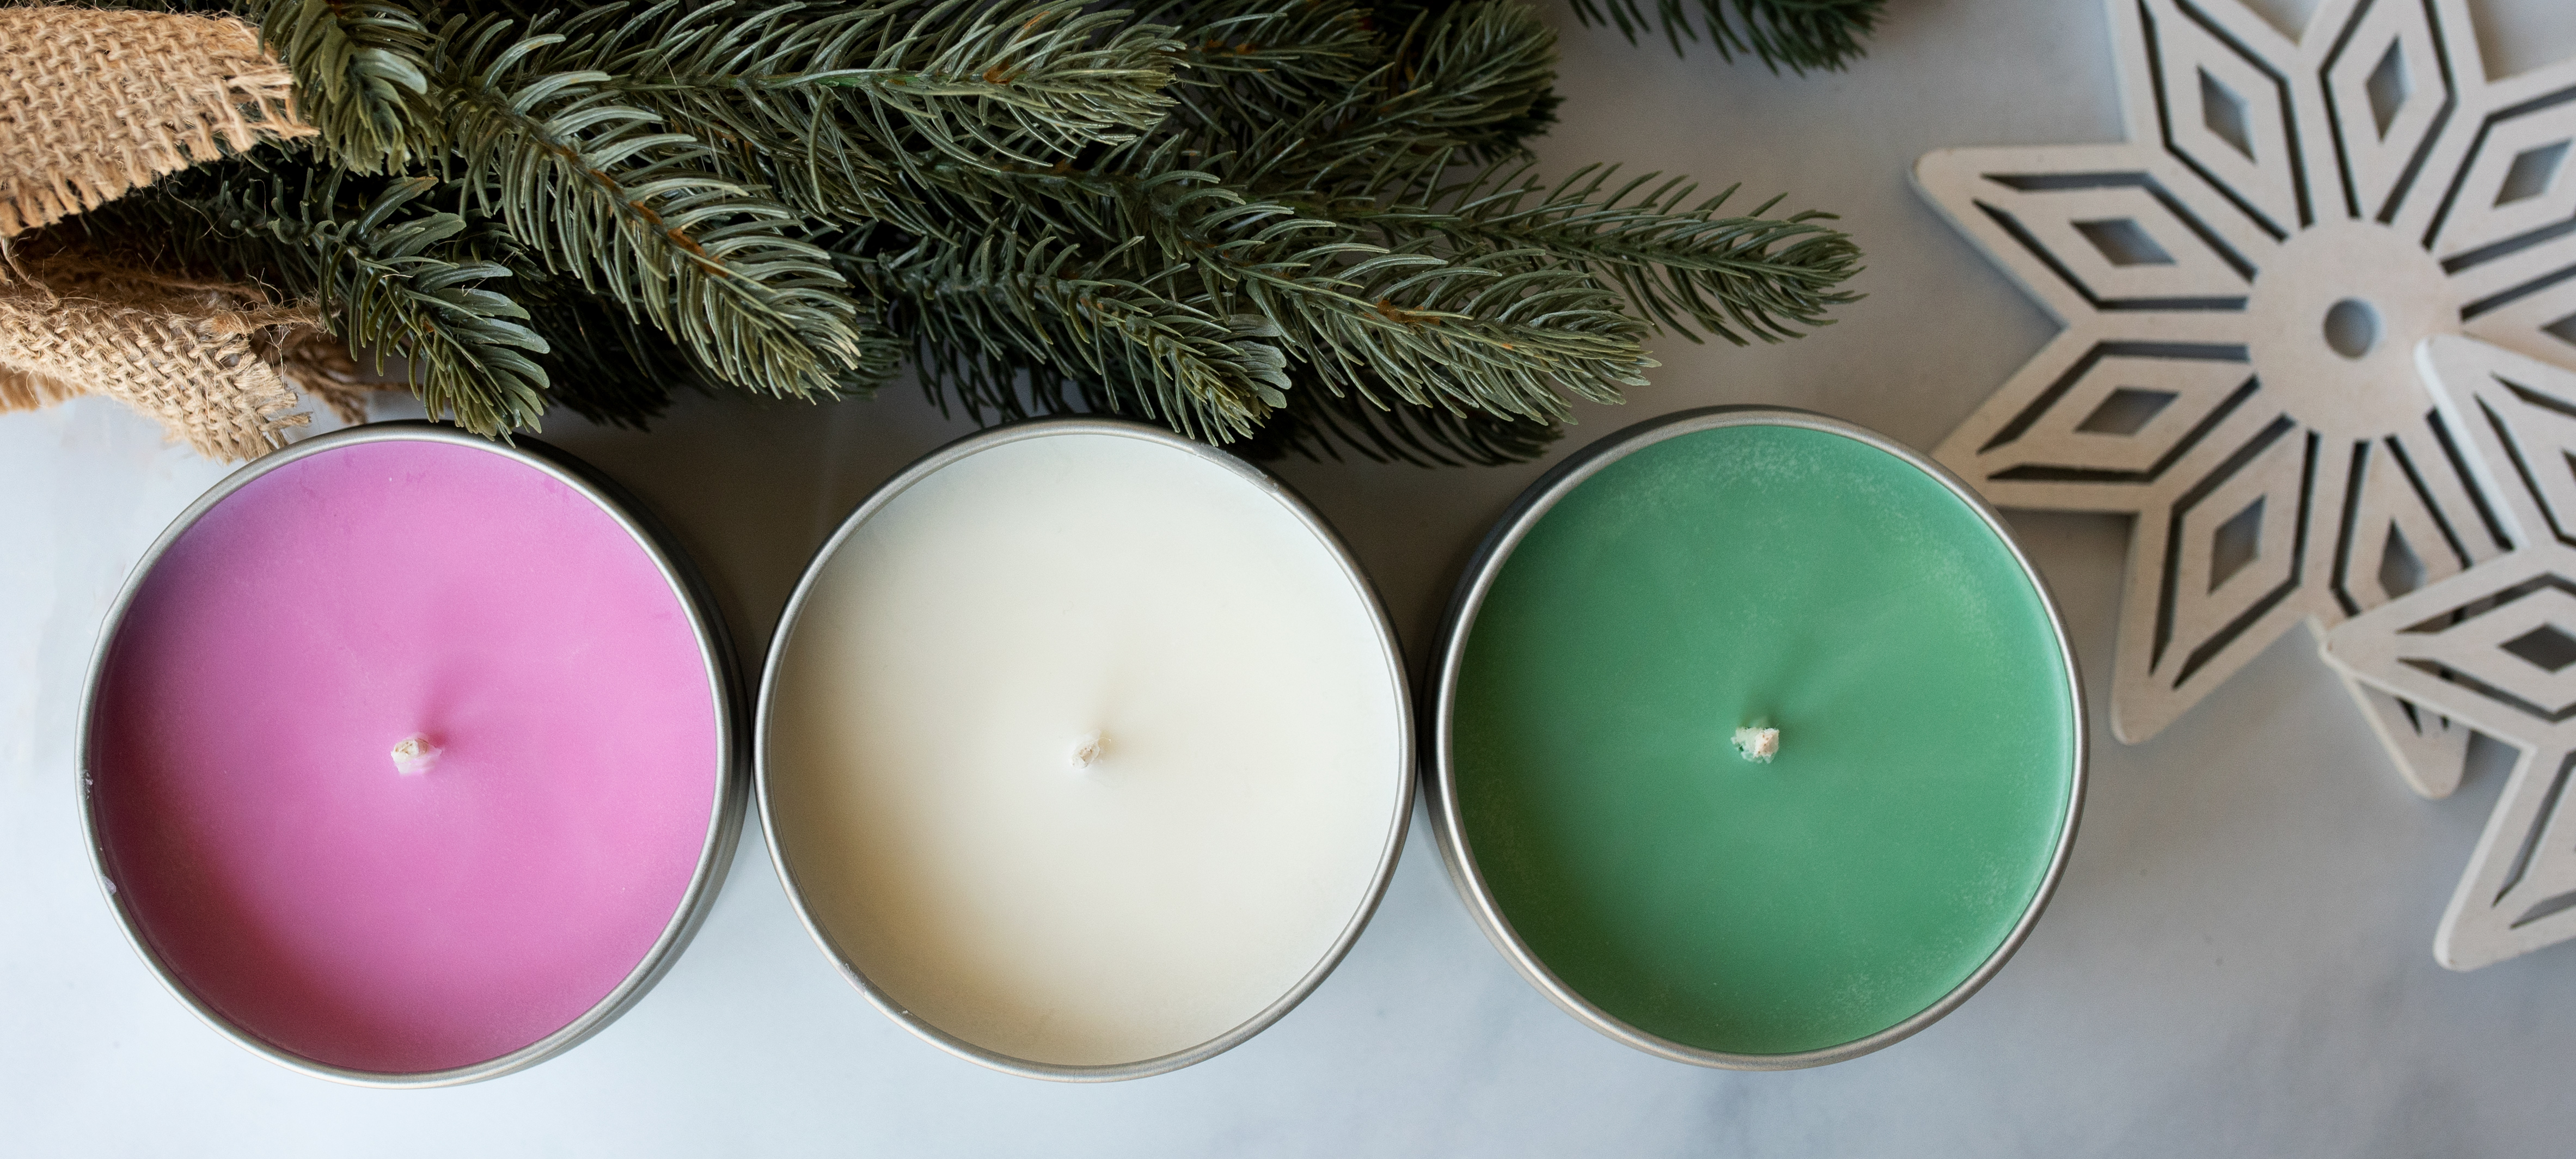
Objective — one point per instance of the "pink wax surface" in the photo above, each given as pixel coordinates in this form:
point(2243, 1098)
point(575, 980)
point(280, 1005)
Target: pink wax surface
point(246, 796)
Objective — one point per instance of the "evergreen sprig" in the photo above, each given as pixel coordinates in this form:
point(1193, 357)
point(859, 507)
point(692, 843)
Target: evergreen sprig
point(360, 77)
point(419, 289)
point(1384, 285)
point(636, 213)
point(828, 102)
point(390, 274)
point(1824, 35)
point(1301, 226)
point(1689, 268)
point(1206, 374)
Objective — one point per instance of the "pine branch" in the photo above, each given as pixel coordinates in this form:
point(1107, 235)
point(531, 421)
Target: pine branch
point(1463, 74)
point(386, 273)
point(1502, 330)
point(1469, 80)
point(965, 364)
point(462, 342)
point(1020, 82)
point(959, 374)
point(827, 101)
point(1326, 272)
point(1248, 219)
point(1683, 265)
point(1824, 35)
point(1206, 375)
point(636, 215)
point(1323, 263)
point(359, 77)
point(601, 363)
point(1252, 64)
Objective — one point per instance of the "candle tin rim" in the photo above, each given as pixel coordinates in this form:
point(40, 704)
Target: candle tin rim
point(1278, 490)
point(1485, 565)
point(729, 802)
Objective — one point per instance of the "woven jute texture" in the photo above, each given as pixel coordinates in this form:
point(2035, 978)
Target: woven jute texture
point(96, 103)
point(203, 358)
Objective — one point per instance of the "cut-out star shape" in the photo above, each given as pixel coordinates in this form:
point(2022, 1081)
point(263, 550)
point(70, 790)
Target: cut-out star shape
point(2495, 646)
point(2243, 284)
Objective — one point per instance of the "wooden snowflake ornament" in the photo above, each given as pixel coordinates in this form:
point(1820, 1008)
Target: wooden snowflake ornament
point(2242, 286)
point(2495, 646)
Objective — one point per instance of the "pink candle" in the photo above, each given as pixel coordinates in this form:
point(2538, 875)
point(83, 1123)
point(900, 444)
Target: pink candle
point(537, 852)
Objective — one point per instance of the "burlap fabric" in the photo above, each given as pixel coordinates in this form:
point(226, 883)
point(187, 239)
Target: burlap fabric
point(93, 104)
point(96, 103)
point(212, 362)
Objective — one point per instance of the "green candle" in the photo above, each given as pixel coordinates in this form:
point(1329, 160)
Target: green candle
point(1760, 570)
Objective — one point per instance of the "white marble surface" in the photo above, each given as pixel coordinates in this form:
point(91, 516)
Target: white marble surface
point(2237, 963)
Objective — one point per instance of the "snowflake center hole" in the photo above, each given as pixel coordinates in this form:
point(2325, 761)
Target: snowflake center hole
point(2352, 327)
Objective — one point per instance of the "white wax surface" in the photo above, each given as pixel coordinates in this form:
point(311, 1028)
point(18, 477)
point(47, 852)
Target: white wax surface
point(962, 644)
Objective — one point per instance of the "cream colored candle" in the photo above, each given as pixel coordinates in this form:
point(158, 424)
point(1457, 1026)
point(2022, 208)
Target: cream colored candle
point(1085, 748)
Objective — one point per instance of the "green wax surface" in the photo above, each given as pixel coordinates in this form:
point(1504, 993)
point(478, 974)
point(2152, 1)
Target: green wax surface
point(1927, 754)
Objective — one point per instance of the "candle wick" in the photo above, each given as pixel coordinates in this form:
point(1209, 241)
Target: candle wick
point(1088, 749)
point(1758, 745)
point(414, 755)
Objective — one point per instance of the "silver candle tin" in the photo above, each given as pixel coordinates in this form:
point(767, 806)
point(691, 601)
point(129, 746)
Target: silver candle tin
point(1440, 770)
point(1396, 822)
point(724, 824)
